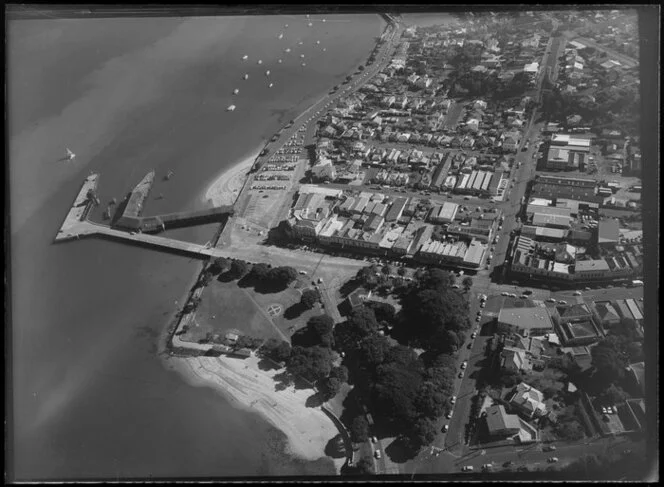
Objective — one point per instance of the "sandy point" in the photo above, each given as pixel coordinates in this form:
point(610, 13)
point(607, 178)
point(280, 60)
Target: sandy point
point(241, 380)
point(225, 189)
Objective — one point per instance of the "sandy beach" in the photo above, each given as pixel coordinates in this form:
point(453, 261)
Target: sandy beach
point(308, 429)
point(225, 189)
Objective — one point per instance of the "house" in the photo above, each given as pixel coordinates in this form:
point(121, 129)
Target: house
point(528, 401)
point(358, 297)
point(514, 359)
point(500, 423)
point(607, 314)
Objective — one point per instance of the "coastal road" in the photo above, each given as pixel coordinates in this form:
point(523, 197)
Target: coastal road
point(306, 117)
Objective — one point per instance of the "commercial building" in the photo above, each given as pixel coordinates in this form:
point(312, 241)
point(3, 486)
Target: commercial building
point(524, 321)
point(608, 233)
point(444, 213)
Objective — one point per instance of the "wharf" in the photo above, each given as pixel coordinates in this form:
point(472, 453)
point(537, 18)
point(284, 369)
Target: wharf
point(79, 210)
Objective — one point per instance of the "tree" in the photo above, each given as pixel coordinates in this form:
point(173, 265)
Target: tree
point(387, 269)
point(321, 327)
point(239, 269)
point(374, 349)
point(437, 279)
point(340, 372)
point(276, 350)
point(401, 271)
point(607, 361)
point(282, 275)
point(367, 277)
point(614, 395)
point(384, 312)
point(423, 433)
point(312, 363)
point(365, 466)
point(430, 402)
point(218, 265)
point(330, 387)
point(467, 283)
point(205, 279)
point(309, 298)
point(259, 272)
point(363, 319)
point(359, 429)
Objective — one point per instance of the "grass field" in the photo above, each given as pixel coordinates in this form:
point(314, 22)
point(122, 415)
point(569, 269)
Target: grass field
point(226, 307)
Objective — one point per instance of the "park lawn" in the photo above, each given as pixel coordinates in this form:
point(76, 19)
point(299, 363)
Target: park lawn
point(227, 307)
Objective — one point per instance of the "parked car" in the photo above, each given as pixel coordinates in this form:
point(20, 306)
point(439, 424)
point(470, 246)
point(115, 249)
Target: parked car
point(550, 300)
point(550, 448)
point(562, 302)
point(464, 365)
point(482, 304)
point(467, 468)
point(461, 375)
point(377, 454)
point(508, 463)
point(577, 293)
point(473, 335)
point(552, 460)
point(449, 415)
point(445, 428)
point(487, 466)
point(453, 399)
point(374, 439)
point(504, 293)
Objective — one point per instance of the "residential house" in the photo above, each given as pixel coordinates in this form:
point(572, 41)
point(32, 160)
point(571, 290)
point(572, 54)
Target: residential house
point(528, 401)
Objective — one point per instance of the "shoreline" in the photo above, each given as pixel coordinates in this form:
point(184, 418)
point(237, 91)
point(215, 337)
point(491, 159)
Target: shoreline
point(247, 387)
point(226, 187)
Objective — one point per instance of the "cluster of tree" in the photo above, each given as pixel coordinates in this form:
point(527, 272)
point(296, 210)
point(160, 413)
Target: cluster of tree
point(434, 316)
point(608, 361)
point(407, 395)
point(277, 276)
point(276, 350)
point(309, 298)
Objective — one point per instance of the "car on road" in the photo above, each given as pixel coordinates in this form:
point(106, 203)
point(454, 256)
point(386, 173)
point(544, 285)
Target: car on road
point(461, 375)
point(482, 304)
point(527, 292)
point(577, 293)
point(467, 468)
point(586, 289)
point(455, 286)
point(552, 459)
point(304, 273)
point(448, 415)
point(452, 400)
point(473, 335)
point(478, 319)
point(551, 300)
point(509, 463)
point(377, 454)
point(464, 365)
point(512, 295)
point(504, 293)
point(549, 448)
point(445, 428)
point(374, 439)
point(562, 302)
point(487, 466)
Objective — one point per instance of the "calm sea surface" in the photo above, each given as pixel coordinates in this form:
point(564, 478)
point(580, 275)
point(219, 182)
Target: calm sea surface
point(91, 399)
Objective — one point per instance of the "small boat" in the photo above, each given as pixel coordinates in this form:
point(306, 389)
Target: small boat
point(281, 36)
point(317, 42)
point(324, 49)
point(260, 61)
point(301, 42)
point(230, 108)
point(236, 91)
point(70, 155)
point(113, 202)
point(324, 20)
point(302, 56)
point(267, 73)
point(310, 24)
point(304, 64)
point(270, 85)
point(288, 49)
point(286, 26)
point(168, 176)
point(246, 76)
point(307, 15)
point(245, 57)
point(279, 61)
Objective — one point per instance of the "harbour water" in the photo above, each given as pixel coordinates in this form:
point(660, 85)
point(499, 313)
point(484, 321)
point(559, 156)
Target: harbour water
point(91, 398)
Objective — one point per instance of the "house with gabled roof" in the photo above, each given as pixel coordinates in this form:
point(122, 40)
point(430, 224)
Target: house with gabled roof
point(528, 401)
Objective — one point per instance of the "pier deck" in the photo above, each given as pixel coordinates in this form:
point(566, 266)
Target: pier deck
point(79, 209)
point(77, 226)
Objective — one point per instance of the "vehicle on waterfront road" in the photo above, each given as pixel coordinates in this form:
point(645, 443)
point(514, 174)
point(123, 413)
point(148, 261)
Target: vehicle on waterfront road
point(552, 460)
point(377, 454)
point(464, 365)
point(473, 335)
point(452, 399)
point(467, 468)
point(445, 428)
